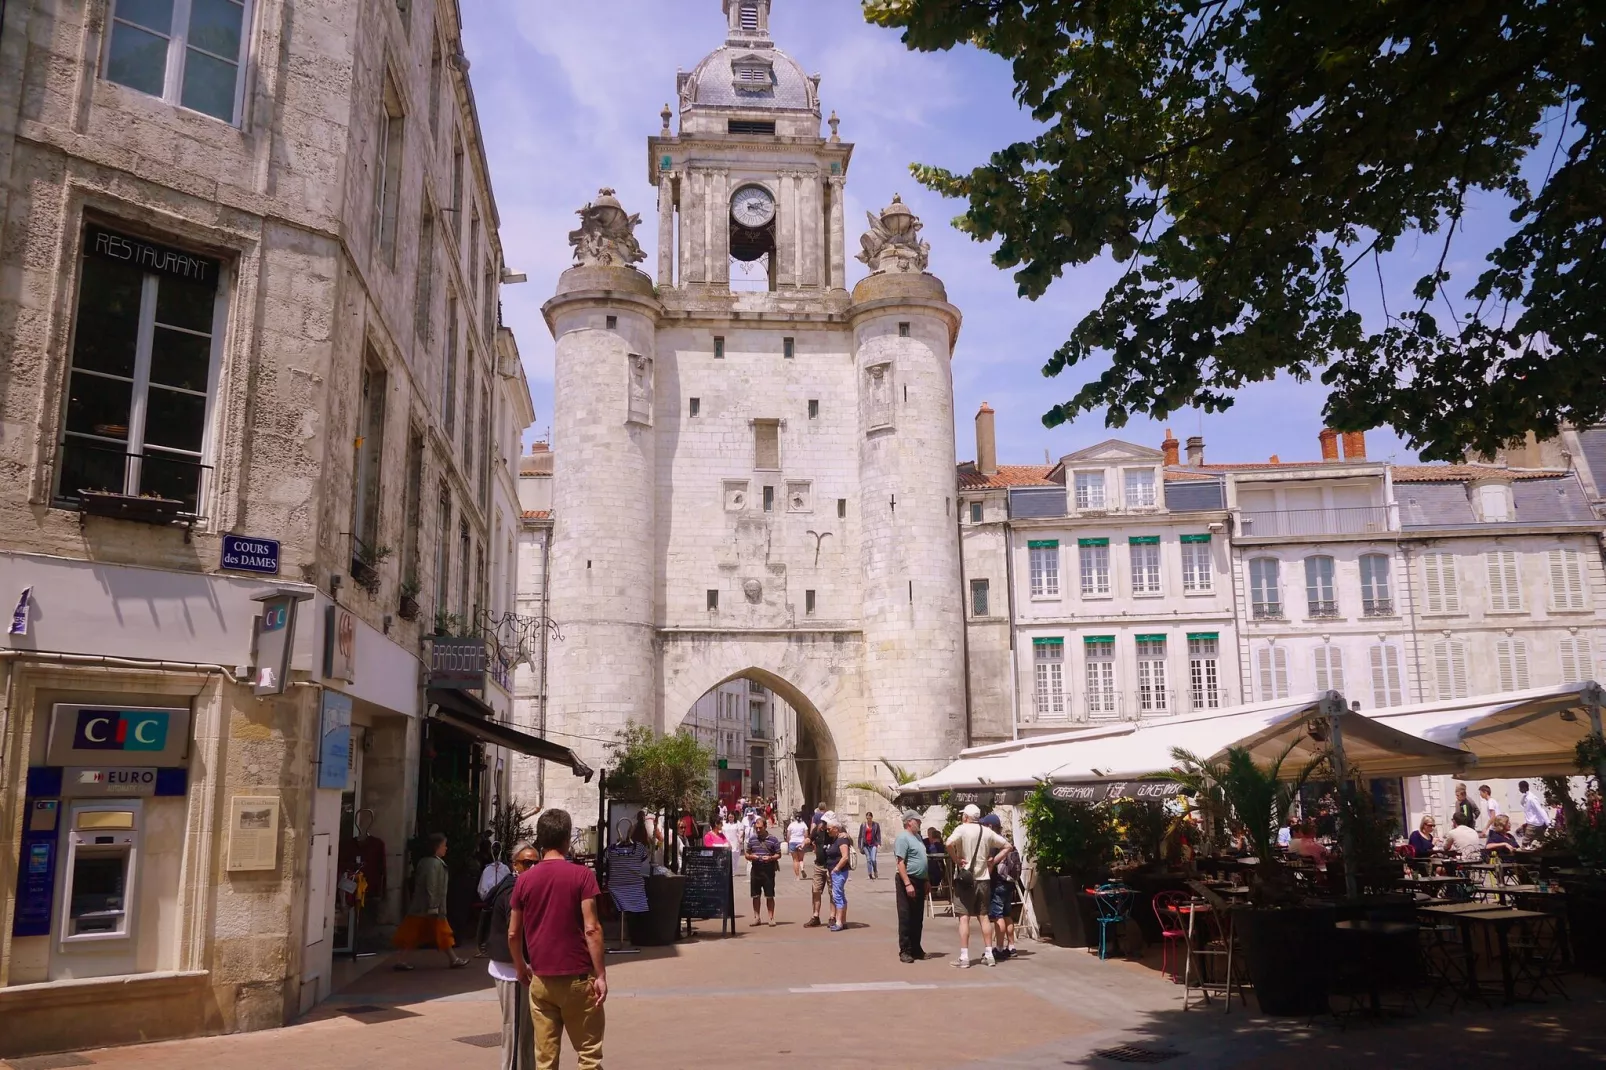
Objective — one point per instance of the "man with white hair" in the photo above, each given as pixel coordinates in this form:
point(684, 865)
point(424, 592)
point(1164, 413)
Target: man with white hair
point(974, 849)
point(910, 852)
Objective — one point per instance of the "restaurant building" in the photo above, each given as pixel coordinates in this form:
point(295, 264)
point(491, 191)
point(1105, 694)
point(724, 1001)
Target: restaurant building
point(255, 400)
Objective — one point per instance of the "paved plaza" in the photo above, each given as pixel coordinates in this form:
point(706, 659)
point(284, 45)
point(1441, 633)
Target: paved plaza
point(788, 996)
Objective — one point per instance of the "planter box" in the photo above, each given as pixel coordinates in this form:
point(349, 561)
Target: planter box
point(132, 507)
point(661, 924)
point(407, 608)
point(1288, 951)
point(1070, 915)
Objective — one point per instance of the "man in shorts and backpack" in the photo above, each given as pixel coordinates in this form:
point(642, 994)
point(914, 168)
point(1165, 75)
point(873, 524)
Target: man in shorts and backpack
point(1001, 902)
point(974, 850)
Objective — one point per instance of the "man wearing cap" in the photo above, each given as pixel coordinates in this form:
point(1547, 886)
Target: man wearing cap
point(820, 879)
point(910, 851)
point(1001, 903)
point(975, 849)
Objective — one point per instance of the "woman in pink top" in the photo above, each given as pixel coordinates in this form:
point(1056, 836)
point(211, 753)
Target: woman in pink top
point(714, 837)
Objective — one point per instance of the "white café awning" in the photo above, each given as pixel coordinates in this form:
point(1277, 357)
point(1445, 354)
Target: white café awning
point(1516, 733)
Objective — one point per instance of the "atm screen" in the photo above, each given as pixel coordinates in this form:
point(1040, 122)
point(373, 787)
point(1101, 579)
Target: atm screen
point(98, 886)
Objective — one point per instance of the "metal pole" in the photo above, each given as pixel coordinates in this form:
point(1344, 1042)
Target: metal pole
point(1346, 835)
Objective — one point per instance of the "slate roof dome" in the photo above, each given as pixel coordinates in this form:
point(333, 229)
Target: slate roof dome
point(751, 76)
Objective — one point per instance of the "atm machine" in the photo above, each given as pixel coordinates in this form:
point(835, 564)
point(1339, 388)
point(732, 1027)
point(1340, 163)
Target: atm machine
point(96, 888)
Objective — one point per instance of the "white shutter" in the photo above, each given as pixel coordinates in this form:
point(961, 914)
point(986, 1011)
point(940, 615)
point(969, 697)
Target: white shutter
point(1386, 684)
point(1505, 581)
point(1567, 580)
point(1512, 654)
point(1443, 596)
point(1329, 668)
point(1576, 663)
point(1450, 668)
point(1263, 670)
point(1279, 658)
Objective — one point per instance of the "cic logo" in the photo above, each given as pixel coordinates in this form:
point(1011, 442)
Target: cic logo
point(124, 730)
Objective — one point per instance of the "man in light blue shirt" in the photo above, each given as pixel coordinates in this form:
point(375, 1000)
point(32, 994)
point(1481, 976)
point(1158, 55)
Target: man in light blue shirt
point(1285, 835)
point(910, 851)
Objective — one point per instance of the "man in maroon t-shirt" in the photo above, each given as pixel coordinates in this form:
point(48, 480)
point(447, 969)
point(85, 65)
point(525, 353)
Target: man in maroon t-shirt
point(556, 942)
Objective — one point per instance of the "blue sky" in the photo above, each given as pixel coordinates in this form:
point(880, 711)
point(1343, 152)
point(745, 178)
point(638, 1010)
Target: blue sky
point(569, 92)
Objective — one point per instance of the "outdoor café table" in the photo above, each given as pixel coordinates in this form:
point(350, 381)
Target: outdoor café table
point(1503, 919)
point(1381, 946)
point(1433, 885)
point(1461, 912)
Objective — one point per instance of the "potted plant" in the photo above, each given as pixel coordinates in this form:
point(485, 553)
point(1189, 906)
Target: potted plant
point(407, 603)
point(1071, 843)
point(1580, 834)
point(668, 775)
point(1286, 940)
point(365, 567)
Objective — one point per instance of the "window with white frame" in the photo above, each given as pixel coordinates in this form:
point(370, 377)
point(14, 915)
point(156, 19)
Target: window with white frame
point(1044, 560)
point(1328, 662)
point(1089, 490)
point(1094, 559)
point(1442, 593)
point(1566, 579)
point(1387, 679)
point(1145, 564)
point(1099, 652)
point(1511, 655)
point(1140, 488)
point(1321, 596)
point(1505, 581)
point(1198, 574)
point(1204, 671)
point(1048, 655)
point(1153, 695)
point(188, 52)
point(1377, 598)
point(1577, 662)
point(1271, 672)
point(1450, 668)
point(144, 369)
point(1265, 588)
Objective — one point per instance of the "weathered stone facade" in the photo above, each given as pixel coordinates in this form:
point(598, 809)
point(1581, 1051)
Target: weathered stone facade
point(755, 482)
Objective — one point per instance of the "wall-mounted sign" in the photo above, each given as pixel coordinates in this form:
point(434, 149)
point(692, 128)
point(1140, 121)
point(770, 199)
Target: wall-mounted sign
point(148, 256)
point(106, 736)
point(244, 554)
point(334, 741)
point(1146, 790)
point(19, 616)
point(275, 638)
point(457, 663)
point(98, 781)
point(340, 644)
point(253, 833)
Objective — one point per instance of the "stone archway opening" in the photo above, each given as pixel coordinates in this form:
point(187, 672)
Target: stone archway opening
point(768, 739)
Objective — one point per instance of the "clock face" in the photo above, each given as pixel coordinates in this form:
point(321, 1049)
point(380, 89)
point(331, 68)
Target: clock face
point(752, 206)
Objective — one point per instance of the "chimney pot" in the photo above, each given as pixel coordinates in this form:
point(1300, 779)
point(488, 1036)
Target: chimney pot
point(986, 441)
point(1329, 441)
point(1275, 459)
point(1170, 447)
point(1355, 445)
point(1196, 450)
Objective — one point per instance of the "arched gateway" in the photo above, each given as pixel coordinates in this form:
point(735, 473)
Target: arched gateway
point(755, 483)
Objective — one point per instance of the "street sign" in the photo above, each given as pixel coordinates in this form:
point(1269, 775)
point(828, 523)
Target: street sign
point(458, 663)
point(244, 554)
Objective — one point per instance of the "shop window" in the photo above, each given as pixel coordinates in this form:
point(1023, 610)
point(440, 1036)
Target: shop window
point(188, 52)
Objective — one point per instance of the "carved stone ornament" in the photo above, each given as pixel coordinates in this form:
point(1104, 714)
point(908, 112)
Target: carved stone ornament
point(606, 237)
point(754, 591)
point(893, 242)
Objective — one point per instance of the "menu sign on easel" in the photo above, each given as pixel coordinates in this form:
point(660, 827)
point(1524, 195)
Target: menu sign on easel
point(710, 887)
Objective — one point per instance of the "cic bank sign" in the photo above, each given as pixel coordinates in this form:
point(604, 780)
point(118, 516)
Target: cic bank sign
point(118, 736)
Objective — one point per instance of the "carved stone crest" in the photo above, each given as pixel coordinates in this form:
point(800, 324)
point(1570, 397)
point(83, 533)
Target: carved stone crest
point(754, 592)
point(893, 242)
point(606, 237)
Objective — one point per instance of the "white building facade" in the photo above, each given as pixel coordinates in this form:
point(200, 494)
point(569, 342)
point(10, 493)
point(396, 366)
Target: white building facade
point(753, 482)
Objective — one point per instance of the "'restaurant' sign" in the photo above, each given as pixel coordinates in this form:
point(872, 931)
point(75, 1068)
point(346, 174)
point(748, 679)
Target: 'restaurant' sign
point(244, 554)
point(1144, 790)
point(458, 663)
point(148, 256)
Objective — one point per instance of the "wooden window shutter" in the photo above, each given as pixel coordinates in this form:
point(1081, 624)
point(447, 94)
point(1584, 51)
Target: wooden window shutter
point(1566, 579)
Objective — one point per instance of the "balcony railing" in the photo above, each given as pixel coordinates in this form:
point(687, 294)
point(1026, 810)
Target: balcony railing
point(1319, 610)
point(1267, 611)
point(1357, 520)
point(1378, 607)
point(1101, 706)
point(1156, 703)
point(1201, 699)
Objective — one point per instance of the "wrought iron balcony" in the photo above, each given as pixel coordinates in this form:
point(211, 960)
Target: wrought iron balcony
point(1378, 607)
point(1267, 611)
point(1356, 520)
point(1321, 610)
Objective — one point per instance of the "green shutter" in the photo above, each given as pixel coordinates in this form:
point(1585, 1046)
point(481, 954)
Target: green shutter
point(1149, 638)
point(1195, 538)
point(1098, 639)
point(1053, 641)
point(1144, 540)
point(1043, 544)
point(1092, 542)
point(1204, 635)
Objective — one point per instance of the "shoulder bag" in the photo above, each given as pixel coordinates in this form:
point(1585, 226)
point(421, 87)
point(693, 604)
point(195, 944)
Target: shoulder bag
point(965, 879)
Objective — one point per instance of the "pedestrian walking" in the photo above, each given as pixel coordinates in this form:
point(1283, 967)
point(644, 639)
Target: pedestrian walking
point(974, 850)
point(715, 836)
point(797, 834)
point(1535, 818)
point(491, 874)
point(763, 856)
point(426, 922)
point(820, 877)
point(556, 942)
point(839, 860)
point(1465, 807)
point(870, 843)
point(909, 854)
point(1001, 899)
point(1491, 808)
point(518, 1032)
point(735, 836)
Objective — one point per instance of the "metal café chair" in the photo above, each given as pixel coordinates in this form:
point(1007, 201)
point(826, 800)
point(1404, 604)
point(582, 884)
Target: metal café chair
point(1173, 932)
point(1114, 902)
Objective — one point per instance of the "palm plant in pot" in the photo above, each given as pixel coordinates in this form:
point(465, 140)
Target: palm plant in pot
point(1285, 939)
point(1072, 844)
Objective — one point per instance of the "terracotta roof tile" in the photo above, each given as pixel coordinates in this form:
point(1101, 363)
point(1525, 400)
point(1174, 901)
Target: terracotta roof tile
point(1009, 475)
point(537, 514)
point(1456, 473)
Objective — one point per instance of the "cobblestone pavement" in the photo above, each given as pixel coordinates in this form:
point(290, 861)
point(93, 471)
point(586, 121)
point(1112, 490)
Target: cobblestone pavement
point(790, 997)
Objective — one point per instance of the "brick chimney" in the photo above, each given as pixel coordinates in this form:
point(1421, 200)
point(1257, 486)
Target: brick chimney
point(986, 442)
point(1196, 450)
point(1329, 440)
point(1355, 445)
point(1170, 447)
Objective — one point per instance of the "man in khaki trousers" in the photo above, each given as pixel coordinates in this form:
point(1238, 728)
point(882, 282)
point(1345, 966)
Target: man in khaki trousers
point(555, 938)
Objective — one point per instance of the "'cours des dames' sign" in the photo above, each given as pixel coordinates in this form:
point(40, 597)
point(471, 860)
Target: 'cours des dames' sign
point(103, 736)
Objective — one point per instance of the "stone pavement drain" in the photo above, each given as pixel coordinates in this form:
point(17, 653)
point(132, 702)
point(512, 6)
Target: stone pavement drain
point(482, 1040)
point(1133, 1053)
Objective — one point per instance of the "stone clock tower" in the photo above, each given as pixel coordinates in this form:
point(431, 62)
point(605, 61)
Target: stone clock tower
point(753, 467)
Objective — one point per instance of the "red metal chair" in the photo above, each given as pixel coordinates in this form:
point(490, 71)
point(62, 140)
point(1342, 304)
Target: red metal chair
point(1173, 931)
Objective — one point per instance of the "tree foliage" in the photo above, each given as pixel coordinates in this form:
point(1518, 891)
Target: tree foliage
point(1251, 162)
point(1069, 837)
point(662, 772)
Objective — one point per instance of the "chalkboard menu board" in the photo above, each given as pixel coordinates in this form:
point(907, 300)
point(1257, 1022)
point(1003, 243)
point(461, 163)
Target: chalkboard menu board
point(710, 890)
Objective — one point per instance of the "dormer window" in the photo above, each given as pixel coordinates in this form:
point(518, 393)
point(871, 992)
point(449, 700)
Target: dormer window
point(1492, 500)
point(753, 74)
point(1090, 490)
point(1140, 488)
